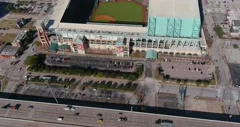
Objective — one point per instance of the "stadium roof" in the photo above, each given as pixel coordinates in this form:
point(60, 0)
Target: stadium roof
point(64, 4)
point(174, 8)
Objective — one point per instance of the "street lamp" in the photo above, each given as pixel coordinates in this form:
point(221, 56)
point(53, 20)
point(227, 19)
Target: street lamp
point(46, 81)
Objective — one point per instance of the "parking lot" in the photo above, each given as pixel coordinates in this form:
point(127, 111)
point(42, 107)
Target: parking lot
point(235, 72)
point(93, 62)
point(187, 69)
point(167, 100)
point(78, 92)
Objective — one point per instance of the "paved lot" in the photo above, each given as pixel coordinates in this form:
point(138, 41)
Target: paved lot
point(194, 70)
point(235, 73)
point(88, 117)
point(167, 100)
point(108, 96)
point(204, 104)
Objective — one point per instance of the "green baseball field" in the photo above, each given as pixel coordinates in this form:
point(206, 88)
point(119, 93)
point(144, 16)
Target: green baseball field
point(121, 11)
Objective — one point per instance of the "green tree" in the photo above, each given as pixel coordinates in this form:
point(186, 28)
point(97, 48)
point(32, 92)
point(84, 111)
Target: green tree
point(31, 60)
point(132, 77)
point(9, 7)
point(100, 74)
point(113, 74)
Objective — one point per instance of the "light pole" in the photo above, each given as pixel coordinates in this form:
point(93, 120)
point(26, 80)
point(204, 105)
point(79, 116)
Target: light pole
point(46, 81)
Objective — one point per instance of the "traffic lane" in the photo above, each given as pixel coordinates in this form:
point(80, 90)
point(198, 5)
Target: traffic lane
point(52, 112)
point(8, 122)
point(87, 116)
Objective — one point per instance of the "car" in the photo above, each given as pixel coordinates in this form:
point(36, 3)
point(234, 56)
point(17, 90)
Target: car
point(66, 59)
point(158, 121)
point(69, 107)
point(6, 106)
point(77, 114)
point(99, 114)
point(31, 106)
point(60, 118)
point(72, 108)
point(15, 107)
point(100, 121)
point(122, 119)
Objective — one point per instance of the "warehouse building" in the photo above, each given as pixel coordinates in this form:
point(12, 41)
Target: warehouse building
point(167, 27)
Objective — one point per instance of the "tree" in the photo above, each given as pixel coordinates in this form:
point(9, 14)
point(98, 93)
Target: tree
point(198, 82)
point(179, 81)
point(31, 60)
point(9, 7)
point(132, 77)
point(100, 74)
point(113, 74)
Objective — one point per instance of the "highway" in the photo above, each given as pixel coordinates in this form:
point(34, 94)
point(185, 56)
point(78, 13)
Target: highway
point(45, 115)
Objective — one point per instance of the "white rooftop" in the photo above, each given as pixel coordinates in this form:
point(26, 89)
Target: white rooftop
point(102, 27)
point(174, 8)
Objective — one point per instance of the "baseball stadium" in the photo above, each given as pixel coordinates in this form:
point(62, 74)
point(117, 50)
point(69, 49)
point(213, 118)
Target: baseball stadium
point(123, 27)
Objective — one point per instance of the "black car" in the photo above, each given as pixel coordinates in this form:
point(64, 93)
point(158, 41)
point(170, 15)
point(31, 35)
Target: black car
point(99, 114)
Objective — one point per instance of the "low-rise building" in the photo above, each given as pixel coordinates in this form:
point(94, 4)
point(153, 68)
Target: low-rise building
point(9, 52)
point(19, 38)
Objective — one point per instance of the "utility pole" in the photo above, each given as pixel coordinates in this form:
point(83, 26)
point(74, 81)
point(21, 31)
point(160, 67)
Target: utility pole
point(46, 81)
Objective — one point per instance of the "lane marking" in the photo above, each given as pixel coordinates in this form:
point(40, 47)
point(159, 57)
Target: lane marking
point(116, 110)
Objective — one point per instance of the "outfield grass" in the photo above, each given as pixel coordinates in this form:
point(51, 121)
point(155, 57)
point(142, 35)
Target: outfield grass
point(121, 11)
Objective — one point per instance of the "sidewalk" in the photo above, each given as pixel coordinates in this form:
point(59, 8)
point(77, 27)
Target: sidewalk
point(79, 77)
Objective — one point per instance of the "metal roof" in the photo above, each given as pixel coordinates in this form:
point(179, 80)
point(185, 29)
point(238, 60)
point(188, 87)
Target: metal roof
point(151, 54)
point(53, 47)
point(9, 50)
point(236, 22)
point(174, 8)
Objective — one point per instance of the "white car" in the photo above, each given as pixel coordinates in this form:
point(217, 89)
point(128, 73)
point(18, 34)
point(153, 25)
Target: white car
point(67, 108)
point(72, 108)
point(60, 118)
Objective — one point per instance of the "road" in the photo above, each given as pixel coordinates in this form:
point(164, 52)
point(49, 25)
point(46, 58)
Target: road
point(225, 91)
point(45, 115)
point(13, 72)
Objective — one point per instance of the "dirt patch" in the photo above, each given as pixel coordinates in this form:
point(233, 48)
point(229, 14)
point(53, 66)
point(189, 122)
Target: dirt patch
point(204, 105)
point(167, 100)
point(105, 18)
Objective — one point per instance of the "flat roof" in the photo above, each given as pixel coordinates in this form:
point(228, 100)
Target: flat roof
point(174, 8)
point(9, 50)
point(234, 14)
point(59, 10)
point(102, 27)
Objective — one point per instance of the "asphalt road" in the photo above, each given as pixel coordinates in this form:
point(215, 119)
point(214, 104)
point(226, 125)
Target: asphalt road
point(45, 115)
point(225, 91)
